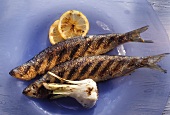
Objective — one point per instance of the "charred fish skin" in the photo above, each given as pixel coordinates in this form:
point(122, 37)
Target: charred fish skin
point(98, 68)
point(73, 48)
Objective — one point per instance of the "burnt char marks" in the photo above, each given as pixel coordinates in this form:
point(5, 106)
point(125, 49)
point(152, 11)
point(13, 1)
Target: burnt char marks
point(95, 69)
point(72, 72)
point(26, 69)
point(38, 64)
point(61, 54)
point(74, 50)
point(49, 61)
point(84, 70)
point(50, 58)
point(86, 47)
point(117, 68)
point(107, 66)
point(99, 42)
point(109, 41)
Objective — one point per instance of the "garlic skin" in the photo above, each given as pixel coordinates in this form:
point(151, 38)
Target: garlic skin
point(84, 91)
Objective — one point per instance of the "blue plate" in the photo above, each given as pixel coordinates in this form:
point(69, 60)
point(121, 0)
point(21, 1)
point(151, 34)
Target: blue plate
point(24, 29)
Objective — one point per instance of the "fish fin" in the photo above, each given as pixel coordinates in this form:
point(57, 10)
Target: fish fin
point(157, 67)
point(135, 35)
point(153, 60)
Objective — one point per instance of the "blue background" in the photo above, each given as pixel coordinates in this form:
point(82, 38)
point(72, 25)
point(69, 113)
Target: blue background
point(24, 27)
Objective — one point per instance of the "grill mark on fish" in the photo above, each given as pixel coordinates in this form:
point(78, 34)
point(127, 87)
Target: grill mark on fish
point(109, 41)
point(99, 42)
point(130, 64)
point(31, 71)
point(86, 75)
point(91, 49)
point(72, 72)
point(52, 63)
point(26, 69)
point(73, 52)
point(38, 65)
point(84, 70)
point(124, 65)
point(94, 70)
point(101, 68)
point(65, 74)
point(78, 52)
point(61, 54)
point(49, 58)
point(79, 66)
point(118, 67)
point(42, 68)
point(107, 66)
point(87, 46)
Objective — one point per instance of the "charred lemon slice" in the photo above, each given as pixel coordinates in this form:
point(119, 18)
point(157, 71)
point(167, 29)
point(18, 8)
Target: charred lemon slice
point(54, 34)
point(73, 23)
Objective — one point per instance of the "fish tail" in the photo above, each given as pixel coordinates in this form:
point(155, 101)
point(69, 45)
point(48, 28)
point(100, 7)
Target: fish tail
point(135, 35)
point(153, 60)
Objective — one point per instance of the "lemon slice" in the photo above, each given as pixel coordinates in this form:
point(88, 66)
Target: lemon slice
point(54, 34)
point(73, 23)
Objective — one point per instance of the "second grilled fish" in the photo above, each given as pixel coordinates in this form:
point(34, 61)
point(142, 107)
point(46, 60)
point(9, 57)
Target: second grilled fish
point(98, 68)
point(74, 48)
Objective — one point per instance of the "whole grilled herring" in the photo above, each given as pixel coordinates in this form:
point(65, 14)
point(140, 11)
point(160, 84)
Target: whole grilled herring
point(98, 68)
point(72, 49)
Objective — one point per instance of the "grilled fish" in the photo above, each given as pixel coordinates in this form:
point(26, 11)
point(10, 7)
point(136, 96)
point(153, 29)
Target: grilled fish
point(98, 68)
point(72, 49)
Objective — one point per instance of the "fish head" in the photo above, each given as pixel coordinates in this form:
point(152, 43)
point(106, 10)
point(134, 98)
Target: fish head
point(36, 90)
point(20, 72)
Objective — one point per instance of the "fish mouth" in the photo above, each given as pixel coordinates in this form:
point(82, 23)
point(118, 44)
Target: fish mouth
point(15, 73)
point(12, 73)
